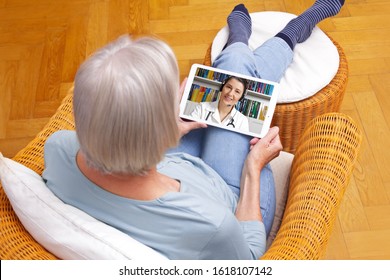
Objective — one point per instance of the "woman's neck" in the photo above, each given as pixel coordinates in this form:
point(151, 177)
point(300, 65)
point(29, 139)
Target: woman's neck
point(224, 111)
point(150, 186)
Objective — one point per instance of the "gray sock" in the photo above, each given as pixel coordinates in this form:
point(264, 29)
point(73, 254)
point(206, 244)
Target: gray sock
point(300, 28)
point(240, 25)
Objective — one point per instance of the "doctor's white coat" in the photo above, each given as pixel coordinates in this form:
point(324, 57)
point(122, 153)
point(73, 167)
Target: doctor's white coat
point(209, 111)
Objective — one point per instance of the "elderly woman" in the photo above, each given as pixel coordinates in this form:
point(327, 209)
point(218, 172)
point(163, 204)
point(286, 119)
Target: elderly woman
point(115, 166)
point(211, 196)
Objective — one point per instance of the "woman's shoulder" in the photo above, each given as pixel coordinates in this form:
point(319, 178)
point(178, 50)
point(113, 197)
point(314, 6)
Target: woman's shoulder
point(240, 115)
point(62, 141)
point(212, 104)
point(61, 136)
point(206, 104)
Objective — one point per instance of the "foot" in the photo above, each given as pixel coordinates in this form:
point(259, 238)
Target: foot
point(300, 28)
point(326, 8)
point(240, 25)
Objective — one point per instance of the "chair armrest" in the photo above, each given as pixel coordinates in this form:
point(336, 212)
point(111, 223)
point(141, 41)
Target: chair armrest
point(15, 241)
point(32, 155)
point(321, 171)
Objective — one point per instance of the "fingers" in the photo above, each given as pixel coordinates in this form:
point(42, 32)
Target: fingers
point(271, 137)
point(269, 145)
point(196, 125)
point(187, 126)
point(276, 146)
point(253, 142)
point(272, 133)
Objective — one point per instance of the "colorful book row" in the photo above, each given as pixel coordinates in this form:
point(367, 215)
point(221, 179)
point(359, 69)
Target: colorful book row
point(260, 87)
point(202, 94)
point(253, 109)
point(255, 86)
point(211, 74)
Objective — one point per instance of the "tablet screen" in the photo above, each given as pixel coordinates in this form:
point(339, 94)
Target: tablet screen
point(229, 100)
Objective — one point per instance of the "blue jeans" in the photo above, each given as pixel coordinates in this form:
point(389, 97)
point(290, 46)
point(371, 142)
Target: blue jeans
point(269, 61)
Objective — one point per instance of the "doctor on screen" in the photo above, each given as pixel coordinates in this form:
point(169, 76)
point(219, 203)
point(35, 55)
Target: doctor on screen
point(223, 111)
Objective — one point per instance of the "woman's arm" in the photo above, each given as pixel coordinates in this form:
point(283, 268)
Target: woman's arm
point(261, 152)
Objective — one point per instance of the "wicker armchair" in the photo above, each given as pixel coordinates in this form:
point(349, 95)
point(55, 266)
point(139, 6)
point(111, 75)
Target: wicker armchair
point(321, 170)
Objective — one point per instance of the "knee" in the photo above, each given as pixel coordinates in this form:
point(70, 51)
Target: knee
point(236, 60)
point(273, 58)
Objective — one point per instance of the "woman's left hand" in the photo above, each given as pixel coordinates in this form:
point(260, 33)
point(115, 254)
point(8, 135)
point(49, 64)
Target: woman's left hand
point(186, 126)
point(262, 151)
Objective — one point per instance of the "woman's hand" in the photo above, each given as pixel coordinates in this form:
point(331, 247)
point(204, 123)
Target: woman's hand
point(184, 125)
point(262, 151)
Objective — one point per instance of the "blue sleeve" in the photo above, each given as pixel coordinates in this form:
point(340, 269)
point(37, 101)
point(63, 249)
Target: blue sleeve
point(236, 240)
point(61, 141)
point(255, 236)
point(59, 151)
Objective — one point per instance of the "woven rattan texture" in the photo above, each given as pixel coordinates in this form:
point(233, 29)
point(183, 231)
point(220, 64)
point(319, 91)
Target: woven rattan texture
point(15, 241)
point(292, 118)
point(321, 171)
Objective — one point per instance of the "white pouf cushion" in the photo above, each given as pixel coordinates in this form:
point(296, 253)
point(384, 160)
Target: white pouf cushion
point(315, 61)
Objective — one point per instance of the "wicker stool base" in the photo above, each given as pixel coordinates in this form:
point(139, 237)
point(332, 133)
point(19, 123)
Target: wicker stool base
point(292, 118)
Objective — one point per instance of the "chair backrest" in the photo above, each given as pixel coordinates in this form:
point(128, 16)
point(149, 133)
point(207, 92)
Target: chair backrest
point(321, 171)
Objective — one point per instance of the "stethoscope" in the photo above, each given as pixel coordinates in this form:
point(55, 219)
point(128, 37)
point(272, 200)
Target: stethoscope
point(231, 122)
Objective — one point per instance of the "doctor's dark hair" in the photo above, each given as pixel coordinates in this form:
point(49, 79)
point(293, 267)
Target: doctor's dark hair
point(244, 82)
point(126, 105)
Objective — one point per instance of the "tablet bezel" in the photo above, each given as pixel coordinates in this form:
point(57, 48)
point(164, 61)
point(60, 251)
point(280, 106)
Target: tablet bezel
point(271, 103)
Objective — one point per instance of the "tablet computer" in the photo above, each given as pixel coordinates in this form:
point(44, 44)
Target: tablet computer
point(229, 100)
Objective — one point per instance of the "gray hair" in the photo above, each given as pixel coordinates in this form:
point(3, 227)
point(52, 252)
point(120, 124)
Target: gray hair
point(126, 105)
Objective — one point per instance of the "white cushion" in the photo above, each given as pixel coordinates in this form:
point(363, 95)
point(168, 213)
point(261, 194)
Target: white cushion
point(315, 61)
point(65, 231)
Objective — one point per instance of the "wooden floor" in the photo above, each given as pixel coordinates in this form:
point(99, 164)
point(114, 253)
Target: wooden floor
point(42, 42)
